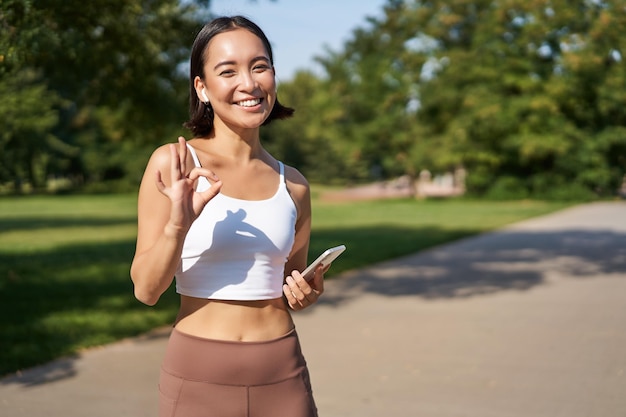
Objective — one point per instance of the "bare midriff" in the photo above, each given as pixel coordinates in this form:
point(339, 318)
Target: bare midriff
point(246, 321)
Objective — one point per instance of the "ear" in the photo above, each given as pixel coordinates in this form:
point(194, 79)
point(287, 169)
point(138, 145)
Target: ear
point(201, 91)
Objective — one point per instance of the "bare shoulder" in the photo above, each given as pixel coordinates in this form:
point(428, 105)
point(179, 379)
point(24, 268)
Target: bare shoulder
point(296, 182)
point(160, 160)
point(160, 157)
point(298, 188)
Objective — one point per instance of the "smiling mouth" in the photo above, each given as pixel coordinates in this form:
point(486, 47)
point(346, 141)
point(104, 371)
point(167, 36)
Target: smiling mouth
point(249, 103)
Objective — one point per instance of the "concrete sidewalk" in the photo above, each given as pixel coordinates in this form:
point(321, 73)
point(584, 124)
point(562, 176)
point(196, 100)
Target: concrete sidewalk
point(527, 321)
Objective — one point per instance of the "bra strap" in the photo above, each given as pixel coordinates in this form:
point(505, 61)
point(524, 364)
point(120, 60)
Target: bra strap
point(281, 169)
point(196, 161)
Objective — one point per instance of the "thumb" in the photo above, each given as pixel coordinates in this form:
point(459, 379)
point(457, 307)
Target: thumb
point(212, 191)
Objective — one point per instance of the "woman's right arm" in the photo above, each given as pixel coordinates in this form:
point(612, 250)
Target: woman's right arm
point(167, 206)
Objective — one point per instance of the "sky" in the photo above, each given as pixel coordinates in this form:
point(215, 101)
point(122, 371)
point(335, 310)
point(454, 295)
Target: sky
point(300, 29)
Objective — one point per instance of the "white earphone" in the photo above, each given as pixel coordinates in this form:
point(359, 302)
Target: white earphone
point(204, 96)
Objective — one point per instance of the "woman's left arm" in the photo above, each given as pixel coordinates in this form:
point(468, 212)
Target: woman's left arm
point(298, 292)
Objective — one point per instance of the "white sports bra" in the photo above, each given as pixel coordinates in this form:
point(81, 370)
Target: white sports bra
point(237, 249)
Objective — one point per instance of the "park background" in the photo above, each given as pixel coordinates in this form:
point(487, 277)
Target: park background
point(526, 98)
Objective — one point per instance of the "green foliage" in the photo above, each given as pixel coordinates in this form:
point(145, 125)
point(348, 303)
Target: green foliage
point(526, 96)
point(312, 140)
point(507, 188)
point(499, 101)
point(85, 77)
point(28, 109)
point(25, 139)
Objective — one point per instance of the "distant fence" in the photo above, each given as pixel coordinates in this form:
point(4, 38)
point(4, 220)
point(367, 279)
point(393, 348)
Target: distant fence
point(450, 184)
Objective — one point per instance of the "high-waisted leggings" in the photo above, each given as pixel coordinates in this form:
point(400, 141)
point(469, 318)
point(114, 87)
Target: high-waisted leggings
point(214, 378)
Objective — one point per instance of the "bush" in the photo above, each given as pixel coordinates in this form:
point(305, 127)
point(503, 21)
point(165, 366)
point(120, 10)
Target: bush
point(567, 192)
point(507, 188)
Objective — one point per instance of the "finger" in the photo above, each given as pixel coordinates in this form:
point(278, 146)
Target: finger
point(182, 155)
point(291, 299)
point(159, 182)
point(200, 199)
point(175, 174)
point(304, 286)
point(214, 190)
point(296, 296)
point(295, 290)
point(301, 290)
point(198, 172)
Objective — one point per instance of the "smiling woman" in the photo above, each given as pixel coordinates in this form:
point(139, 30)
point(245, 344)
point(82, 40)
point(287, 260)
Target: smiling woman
point(224, 69)
point(232, 225)
point(236, 78)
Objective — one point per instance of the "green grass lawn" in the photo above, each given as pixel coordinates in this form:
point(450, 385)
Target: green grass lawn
point(64, 261)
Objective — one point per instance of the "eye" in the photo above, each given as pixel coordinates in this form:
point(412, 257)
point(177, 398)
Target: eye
point(227, 73)
point(261, 68)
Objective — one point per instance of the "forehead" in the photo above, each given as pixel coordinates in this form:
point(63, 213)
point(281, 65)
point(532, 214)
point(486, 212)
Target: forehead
point(233, 44)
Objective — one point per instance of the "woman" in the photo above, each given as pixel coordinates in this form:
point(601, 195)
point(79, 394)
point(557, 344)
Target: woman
point(228, 220)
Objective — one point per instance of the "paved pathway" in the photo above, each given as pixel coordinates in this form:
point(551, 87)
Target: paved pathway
point(526, 321)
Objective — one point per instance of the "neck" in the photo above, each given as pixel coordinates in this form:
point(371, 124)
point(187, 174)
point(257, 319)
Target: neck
point(241, 144)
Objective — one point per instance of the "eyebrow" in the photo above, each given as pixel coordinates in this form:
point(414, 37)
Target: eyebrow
point(258, 58)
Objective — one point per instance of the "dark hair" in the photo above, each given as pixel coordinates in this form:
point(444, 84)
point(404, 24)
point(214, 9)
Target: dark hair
point(200, 114)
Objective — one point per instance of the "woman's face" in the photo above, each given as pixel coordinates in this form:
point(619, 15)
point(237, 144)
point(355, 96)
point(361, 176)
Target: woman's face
point(239, 80)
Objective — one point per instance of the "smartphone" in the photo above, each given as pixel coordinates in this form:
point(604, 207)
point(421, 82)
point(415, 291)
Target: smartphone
point(324, 259)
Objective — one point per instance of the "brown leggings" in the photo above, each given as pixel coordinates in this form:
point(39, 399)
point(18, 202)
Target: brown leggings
point(206, 378)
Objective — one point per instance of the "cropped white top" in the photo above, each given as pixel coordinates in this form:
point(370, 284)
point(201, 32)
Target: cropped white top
point(237, 249)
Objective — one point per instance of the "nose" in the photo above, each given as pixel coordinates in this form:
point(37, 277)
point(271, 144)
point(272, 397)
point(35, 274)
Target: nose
point(248, 81)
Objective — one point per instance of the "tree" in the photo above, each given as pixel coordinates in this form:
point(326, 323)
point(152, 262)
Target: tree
point(313, 139)
point(108, 71)
point(26, 119)
point(369, 84)
point(507, 100)
point(526, 95)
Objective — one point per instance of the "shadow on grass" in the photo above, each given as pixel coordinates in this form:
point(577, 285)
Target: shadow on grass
point(58, 301)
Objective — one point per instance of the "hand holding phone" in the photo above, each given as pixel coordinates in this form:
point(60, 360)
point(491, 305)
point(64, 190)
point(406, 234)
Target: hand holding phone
point(324, 259)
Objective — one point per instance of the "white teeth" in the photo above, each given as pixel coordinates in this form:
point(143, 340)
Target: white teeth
point(249, 103)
